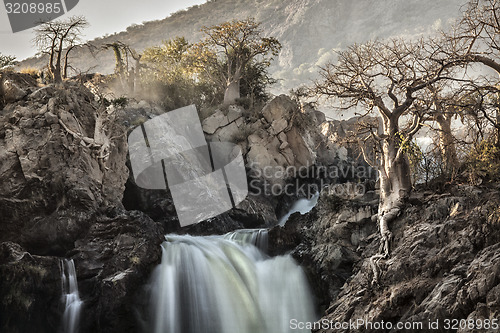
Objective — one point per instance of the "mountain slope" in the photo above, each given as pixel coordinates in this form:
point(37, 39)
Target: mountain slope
point(308, 29)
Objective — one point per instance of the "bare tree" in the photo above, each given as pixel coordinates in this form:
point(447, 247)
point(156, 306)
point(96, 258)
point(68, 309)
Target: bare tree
point(127, 74)
point(439, 109)
point(385, 79)
point(475, 39)
point(57, 39)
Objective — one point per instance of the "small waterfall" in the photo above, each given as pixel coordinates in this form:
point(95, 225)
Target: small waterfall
point(71, 297)
point(256, 237)
point(226, 285)
point(302, 206)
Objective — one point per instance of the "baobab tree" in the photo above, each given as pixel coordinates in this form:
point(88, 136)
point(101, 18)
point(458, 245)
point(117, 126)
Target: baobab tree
point(228, 48)
point(127, 74)
point(439, 109)
point(475, 39)
point(384, 79)
point(57, 39)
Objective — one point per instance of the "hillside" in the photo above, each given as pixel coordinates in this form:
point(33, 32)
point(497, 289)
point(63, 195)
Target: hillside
point(308, 29)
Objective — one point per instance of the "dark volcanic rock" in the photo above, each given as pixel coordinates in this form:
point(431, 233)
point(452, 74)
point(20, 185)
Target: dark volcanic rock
point(113, 262)
point(327, 242)
point(30, 291)
point(445, 262)
point(62, 178)
point(51, 180)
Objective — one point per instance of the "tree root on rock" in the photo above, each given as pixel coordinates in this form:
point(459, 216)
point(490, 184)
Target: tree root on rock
point(386, 238)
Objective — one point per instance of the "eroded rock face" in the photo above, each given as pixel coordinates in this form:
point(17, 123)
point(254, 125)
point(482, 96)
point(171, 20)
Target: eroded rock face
point(444, 265)
point(29, 297)
point(279, 136)
point(327, 242)
point(114, 260)
point(277, 142)
point(445, 262)
point(51, 179)
point(62, 178)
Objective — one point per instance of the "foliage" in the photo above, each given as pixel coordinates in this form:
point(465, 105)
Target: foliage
point(254, 81)
point(120, 102)
point(168, 77)
point(483, 162)
point(415, 156)
point(6, 61)
point(171, 76)
point(30, 71)
point(232, 51)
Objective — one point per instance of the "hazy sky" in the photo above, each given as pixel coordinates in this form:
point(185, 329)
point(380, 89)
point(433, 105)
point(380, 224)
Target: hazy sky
point(104, 16)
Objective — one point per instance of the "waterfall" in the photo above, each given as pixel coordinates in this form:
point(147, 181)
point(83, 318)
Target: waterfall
point(256, 237)
point(226, 285)
point(71, 297)
point(302, 206)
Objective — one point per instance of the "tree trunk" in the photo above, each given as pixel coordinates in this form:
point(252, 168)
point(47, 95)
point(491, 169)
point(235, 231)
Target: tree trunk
point(232, 92)
point(57, 73)
point(447, 145)
point(66, 62)
point(395, 182)
point(497, 134)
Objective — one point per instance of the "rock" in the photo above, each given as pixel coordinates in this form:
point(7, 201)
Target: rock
point(279, 125)
point(29, 285)
point(326, 241)
point(234, 113)
point(228, 133)
point(304, 155)
point(42, 94)
point(441, 267)
point(12, 92)
point(254, 139)
point(280, 107)
point(214, 122)
point(113, 261)
point(51, 118)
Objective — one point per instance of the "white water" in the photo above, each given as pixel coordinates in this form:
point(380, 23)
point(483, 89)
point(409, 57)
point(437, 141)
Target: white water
point(71, 297)
point(302, 206)
point(256, 237)
point(220, 285)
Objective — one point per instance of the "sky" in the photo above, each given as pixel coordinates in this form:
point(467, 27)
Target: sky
point(104, 16)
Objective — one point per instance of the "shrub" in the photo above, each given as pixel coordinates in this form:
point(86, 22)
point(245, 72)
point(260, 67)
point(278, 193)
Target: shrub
point(120, 102)
point(483, 162)
point(30, 71)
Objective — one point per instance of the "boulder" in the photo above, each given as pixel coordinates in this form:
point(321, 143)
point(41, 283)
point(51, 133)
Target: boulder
point(281, 107)
point(214, 122)
point(12, 92)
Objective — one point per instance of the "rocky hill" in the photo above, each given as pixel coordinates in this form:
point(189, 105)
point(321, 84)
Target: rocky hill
point(310, 30)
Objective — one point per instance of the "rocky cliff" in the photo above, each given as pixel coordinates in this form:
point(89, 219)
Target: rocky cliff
point(445, 262)
point(62, 178)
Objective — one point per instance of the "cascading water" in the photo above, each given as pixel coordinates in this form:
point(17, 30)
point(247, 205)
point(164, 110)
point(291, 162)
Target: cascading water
point(257, 237)
point(71, 297)
point(226, 285)
point(302, 206)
